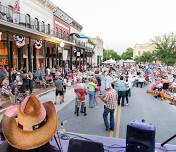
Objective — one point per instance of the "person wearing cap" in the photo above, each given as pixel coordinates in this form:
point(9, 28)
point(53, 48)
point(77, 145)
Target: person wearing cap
point(29, 126)
point(110, 101)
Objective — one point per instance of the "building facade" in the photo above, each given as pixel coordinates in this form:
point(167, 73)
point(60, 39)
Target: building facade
point(31, 33)
point(139, 49)
point(98, 51)
point(31, 22)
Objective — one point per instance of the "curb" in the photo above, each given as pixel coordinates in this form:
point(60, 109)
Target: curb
point(43, 93)
point(40, 94)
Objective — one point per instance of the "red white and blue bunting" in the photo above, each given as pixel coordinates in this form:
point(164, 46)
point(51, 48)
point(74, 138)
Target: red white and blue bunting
point(38, 44)
point(19, 40)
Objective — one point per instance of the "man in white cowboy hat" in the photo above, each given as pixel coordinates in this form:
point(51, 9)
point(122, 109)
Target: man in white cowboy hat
point(29, 126)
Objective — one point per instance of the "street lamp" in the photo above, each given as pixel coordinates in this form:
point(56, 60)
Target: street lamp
point(62, 46)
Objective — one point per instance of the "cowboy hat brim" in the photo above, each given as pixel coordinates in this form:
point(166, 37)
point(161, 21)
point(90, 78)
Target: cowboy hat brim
point(26, 140)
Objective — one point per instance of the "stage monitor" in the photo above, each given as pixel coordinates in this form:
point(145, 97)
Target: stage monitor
point(77, 145)
point(140, 137)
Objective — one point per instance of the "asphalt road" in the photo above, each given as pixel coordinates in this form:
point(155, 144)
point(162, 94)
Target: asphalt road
point(142, 106)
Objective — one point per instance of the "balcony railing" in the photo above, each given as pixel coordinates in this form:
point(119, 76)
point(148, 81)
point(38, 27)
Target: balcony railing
point(8, 14)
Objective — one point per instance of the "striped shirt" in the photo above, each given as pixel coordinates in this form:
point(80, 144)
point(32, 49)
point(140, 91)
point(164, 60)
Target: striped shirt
point(111, 99)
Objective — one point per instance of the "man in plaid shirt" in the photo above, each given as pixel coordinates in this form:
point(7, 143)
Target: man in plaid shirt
point(110, 100)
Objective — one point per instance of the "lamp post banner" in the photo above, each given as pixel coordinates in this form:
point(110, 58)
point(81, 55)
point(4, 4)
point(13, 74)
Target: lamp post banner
point(65, 55)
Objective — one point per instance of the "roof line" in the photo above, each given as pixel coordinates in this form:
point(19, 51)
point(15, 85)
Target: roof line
point(70, 17)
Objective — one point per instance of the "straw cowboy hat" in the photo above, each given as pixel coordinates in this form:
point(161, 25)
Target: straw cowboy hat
point(30, 125)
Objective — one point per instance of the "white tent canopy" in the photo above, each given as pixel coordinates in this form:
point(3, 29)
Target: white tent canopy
point(110, 61)
point(129, 61)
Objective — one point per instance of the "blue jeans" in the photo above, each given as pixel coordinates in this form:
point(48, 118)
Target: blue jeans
point(76, 105)
point(91, 99)
point(105, 118)
point(129, 93)
point(121, 94)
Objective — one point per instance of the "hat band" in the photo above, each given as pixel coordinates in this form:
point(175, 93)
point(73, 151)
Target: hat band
point(34, 127)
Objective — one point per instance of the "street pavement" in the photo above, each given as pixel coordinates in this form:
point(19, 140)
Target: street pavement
point(142, 106)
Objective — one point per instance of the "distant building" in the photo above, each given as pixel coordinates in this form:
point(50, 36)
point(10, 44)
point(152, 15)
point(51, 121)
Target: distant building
point(98, 51)
point(139, 49)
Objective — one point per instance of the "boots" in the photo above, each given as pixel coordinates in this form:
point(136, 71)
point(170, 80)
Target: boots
point(85, 114)
point(77, 111)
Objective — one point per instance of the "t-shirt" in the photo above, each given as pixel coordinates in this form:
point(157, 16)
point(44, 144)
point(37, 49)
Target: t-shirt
point(59, 85)
point(91, 86)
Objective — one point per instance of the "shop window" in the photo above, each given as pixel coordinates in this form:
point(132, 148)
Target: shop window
point(36, 24)
point(9, 13)
point(28, 20)
point(40, 52)
point(43, 26)
point(3, 48)
point(63, 35)
point(48, 28)
point(57, 32)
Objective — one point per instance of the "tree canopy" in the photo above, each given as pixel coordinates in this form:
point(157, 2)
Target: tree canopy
point(165, 48)
point(148, 57)
point(128, 54)
point(108, 54)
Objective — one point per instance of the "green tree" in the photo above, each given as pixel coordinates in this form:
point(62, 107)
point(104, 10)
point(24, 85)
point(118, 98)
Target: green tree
point(128, 54)
point(108, 54)
point(137, 59)
point(147, 57)
point(165, 48)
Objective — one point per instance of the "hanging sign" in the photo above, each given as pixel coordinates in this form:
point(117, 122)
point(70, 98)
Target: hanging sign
point(78, 53)
point(38, 44)
point(20, 40)
point(65, 54)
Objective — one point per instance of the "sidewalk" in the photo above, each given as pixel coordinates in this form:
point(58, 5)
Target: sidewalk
point(5, 101)
point(46, 95)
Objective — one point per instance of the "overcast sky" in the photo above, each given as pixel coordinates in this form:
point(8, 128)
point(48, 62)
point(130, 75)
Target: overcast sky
point(122, 23)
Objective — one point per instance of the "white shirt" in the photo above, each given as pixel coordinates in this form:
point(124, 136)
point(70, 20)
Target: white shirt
point(108, 82)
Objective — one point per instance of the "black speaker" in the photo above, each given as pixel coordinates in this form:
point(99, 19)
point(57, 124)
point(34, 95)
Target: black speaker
point(77, 145)
point(140, 137)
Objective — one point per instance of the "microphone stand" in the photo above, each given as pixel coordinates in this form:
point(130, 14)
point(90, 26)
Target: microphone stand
point(57, 144)
point(165, 142)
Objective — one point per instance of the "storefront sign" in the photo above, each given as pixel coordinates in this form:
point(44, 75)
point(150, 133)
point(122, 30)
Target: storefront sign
point(3, 61)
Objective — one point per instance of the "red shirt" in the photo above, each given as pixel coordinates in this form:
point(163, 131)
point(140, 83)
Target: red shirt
point(81, 94)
